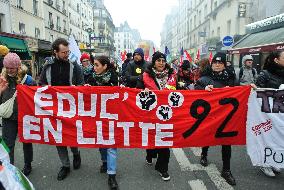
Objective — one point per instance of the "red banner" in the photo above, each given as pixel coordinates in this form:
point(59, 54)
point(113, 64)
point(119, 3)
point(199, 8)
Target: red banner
point(131, 118)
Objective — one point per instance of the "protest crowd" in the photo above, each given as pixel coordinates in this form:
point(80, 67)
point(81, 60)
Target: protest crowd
point(159, 74)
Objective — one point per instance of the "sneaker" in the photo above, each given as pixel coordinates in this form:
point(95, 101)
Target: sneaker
point(112, 182)
point(27, 169)
point(203, 161)
point(103, 168)
point(149, 161)
point(276, 170)
point(165, 176)
point(63, 173)
point(227, 175)
point(267, 171)
point(76, 161)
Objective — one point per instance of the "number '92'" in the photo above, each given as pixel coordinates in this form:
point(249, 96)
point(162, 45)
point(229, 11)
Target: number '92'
point(206, 110)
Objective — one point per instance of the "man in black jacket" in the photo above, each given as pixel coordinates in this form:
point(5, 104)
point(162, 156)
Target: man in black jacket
point(59, 71)
point(135, 68)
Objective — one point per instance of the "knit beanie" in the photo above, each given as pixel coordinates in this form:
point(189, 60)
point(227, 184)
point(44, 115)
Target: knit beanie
point(219, 56)
point(157, 55)
point(140, 52)
point(85, 56)
point(12, 60)
point(3, 50)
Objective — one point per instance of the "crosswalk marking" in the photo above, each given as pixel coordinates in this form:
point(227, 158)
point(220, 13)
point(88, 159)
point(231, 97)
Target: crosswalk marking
point(211, 170)
point(197, 185)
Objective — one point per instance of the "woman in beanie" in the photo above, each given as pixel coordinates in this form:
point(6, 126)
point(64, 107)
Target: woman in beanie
point(87, 67)
point(158, 76)
point(217, 76)
point(104, 75)
point(272, 76)
point(12, 75)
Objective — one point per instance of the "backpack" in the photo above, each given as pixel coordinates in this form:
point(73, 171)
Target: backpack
point(242, 72)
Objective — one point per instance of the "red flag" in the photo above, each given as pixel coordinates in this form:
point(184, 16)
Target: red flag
point(210, 56)
point(198, 55)
point(123, 55)
point(188, 56)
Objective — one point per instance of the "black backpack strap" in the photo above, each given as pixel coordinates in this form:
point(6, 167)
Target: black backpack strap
point(241, 72)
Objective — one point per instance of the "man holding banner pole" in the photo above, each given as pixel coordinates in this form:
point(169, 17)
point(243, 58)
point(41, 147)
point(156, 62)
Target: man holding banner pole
point(218, 77)
point(59, 71)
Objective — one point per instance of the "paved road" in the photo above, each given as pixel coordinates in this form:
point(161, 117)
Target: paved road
point(133, 173)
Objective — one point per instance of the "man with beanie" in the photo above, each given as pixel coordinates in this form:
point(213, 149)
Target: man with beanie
point(59, 71)
point(184, 76)
point(218, 76)
point(135, 68)
point(12, 74)
point(247, 74)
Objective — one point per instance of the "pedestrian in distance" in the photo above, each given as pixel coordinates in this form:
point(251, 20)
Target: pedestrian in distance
point(135, 68)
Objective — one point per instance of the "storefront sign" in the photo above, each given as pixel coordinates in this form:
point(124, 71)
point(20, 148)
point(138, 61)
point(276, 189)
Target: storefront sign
point(266, 24)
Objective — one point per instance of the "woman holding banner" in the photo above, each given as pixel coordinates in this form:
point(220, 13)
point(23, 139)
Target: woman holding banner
point(104, 75)
point(158, 76)
point(272, 76)
point(217, 76)
point(13, 74)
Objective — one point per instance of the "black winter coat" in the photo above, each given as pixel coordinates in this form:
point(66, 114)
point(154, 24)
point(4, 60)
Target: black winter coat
point(132, 74)
point(217, 83)
point(268, 80)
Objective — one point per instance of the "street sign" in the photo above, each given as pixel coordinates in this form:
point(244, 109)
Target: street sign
point(228, 41)
point(211, 48)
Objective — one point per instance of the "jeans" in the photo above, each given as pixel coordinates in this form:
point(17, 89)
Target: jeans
point(109, 155)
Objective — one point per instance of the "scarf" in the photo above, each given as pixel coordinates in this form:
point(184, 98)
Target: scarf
point(223, 76)
point(162, 77)
point(102, 79)
point(88, 70)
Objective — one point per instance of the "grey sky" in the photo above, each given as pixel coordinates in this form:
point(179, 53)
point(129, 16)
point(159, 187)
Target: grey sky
point(145, 15)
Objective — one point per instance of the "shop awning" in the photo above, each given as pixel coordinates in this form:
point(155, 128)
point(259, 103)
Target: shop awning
point(14, 44)
point(259, 42)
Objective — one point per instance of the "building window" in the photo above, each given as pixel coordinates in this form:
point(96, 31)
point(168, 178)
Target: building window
point(35, 7)
point(64, 26)
point(218, 31)
point(78, 8)
point(205, 11)
point(51, 38)
point(215, 5)
point(20, 4)
point(58, 24)
point(194, 21)
point(50, 21)
point(37, 33)
point(22, 28)
point(229, 27)
point(1, 23)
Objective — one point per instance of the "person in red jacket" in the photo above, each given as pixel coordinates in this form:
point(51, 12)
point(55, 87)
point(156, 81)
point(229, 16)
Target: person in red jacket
point(158, 76)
